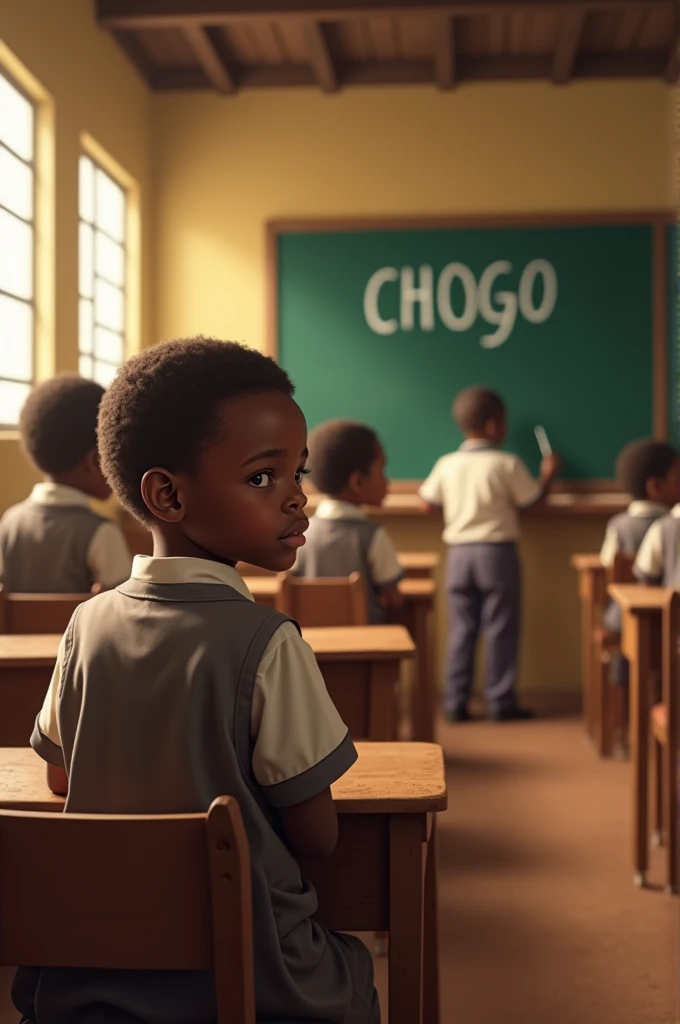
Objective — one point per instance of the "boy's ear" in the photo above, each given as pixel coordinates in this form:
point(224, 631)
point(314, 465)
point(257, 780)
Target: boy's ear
point(355, 479)
point(159, 493)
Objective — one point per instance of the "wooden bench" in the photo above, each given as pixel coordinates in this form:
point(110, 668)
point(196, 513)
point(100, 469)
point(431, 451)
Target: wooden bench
point(26, 666)
point(37, 613)
point(382, 875)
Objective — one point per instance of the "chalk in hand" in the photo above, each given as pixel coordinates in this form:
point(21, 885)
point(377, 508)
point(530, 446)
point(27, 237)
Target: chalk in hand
point(543, 442)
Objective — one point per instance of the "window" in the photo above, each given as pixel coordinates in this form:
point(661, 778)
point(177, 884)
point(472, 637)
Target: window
point(102, 273)
point(17, 250)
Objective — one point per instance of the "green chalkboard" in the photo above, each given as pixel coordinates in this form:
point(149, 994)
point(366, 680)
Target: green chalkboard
point(386, 325)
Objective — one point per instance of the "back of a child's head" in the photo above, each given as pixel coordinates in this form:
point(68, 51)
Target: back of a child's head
point(474, 407)
point(58, 423)
point(163, 408)
point(338, 448)
point(642, 461)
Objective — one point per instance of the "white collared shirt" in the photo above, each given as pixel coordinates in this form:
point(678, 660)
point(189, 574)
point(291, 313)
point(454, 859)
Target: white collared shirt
point(638, 509)
point(480, 490)
point(108, 556)
point(294, 723)
point(650, 558)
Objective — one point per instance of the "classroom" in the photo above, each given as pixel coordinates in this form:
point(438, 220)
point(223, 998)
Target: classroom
point(452, 229)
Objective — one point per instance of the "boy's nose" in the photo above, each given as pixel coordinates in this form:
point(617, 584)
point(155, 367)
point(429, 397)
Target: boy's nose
point(296, 501)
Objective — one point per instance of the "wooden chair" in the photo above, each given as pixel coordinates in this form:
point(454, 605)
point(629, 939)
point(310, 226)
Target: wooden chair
point(663, 727)
point(329, 601)
point(37, 613)
point(132, 892)
point(608, 709)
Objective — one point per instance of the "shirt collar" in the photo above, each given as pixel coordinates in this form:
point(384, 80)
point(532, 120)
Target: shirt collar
point(49, 493)
point(643, 509)
point(331, 508)
point(148, 569)
point(476, 444)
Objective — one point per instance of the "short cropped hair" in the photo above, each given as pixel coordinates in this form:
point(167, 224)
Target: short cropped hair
point(162, 409)
point(337, 449)
point(474, 407)
point(642, 461)
point(58, 423)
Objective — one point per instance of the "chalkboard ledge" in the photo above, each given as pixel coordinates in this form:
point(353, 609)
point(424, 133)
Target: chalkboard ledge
point(562, 503)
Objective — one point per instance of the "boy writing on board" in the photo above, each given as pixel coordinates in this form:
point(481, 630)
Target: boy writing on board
point(480, 489)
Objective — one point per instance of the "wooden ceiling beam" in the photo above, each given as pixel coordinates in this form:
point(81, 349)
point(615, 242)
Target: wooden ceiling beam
point(143, 14)
point(212, 61)
point(320, 57)
point(570, 32)
point(445, 53)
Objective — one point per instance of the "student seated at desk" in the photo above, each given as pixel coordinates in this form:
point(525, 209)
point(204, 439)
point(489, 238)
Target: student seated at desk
point(176, 687)
point(348, 466)
point(649, 471)
point(480, 490)
point(657, 560)
point(53, 543)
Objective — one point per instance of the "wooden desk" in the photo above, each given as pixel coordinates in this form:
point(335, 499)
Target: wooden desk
point(419, 564)
point(642, 610)
point(360, 665)
point(415, 616)
point(593, 594)
point(382, 875)
point(26, 666)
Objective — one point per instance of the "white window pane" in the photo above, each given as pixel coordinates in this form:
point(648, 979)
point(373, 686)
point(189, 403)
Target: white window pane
point(109, 306)
point(16, 184)
point(86, 260)
point(108, 346)
point(109, 259)
point(16, 256)
point(86, 367)
point(86, 188)
point(104, 373)
point(109, 206)
point(16, 120)
point(16, 339)
point(12, 398)
point(86, 326)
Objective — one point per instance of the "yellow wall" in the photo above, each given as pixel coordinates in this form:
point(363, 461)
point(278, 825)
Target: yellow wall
point(224, 166)
point(94, 89)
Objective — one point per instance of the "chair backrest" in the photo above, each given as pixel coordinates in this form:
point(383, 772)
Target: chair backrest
point(329, 601)
point(37, 613)
point(132, 892)
point(621, 569)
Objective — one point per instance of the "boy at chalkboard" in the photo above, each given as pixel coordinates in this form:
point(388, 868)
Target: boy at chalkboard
point(347, 464)
point(480, 489)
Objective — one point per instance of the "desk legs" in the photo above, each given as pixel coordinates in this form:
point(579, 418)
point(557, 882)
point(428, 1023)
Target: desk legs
point(406, 919)
point(384, 676)
point(423, 700)
point(431, 937)
point(587, 656)
point(638, 648)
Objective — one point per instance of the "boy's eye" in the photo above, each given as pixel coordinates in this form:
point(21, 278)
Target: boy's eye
point(262, 479)
point(300, 473)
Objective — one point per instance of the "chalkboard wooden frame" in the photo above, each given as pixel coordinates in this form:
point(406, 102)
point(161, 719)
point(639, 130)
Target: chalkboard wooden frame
point(658, 220)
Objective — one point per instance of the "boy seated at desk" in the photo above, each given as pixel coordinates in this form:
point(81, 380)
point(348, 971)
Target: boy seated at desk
point(480, 490)
point(176, 687)
point(649, 471)
point(657, 561)
point(53, 543)
point(348, 466)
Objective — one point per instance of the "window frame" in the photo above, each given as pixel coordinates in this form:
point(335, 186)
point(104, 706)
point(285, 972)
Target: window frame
point(32, 303)
point(101, 165)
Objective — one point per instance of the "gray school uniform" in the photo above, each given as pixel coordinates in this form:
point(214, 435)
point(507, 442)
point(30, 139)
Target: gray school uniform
point(44, 548)
point(156, 685)
point(629, 530)
point(342, 540)
point(659, 553)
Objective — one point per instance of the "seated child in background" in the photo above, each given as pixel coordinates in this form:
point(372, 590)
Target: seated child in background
point(649, 471)
point(348, 466)
point(480, 489)
point(657, 560)
point(192, 690)
point(53, 543)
